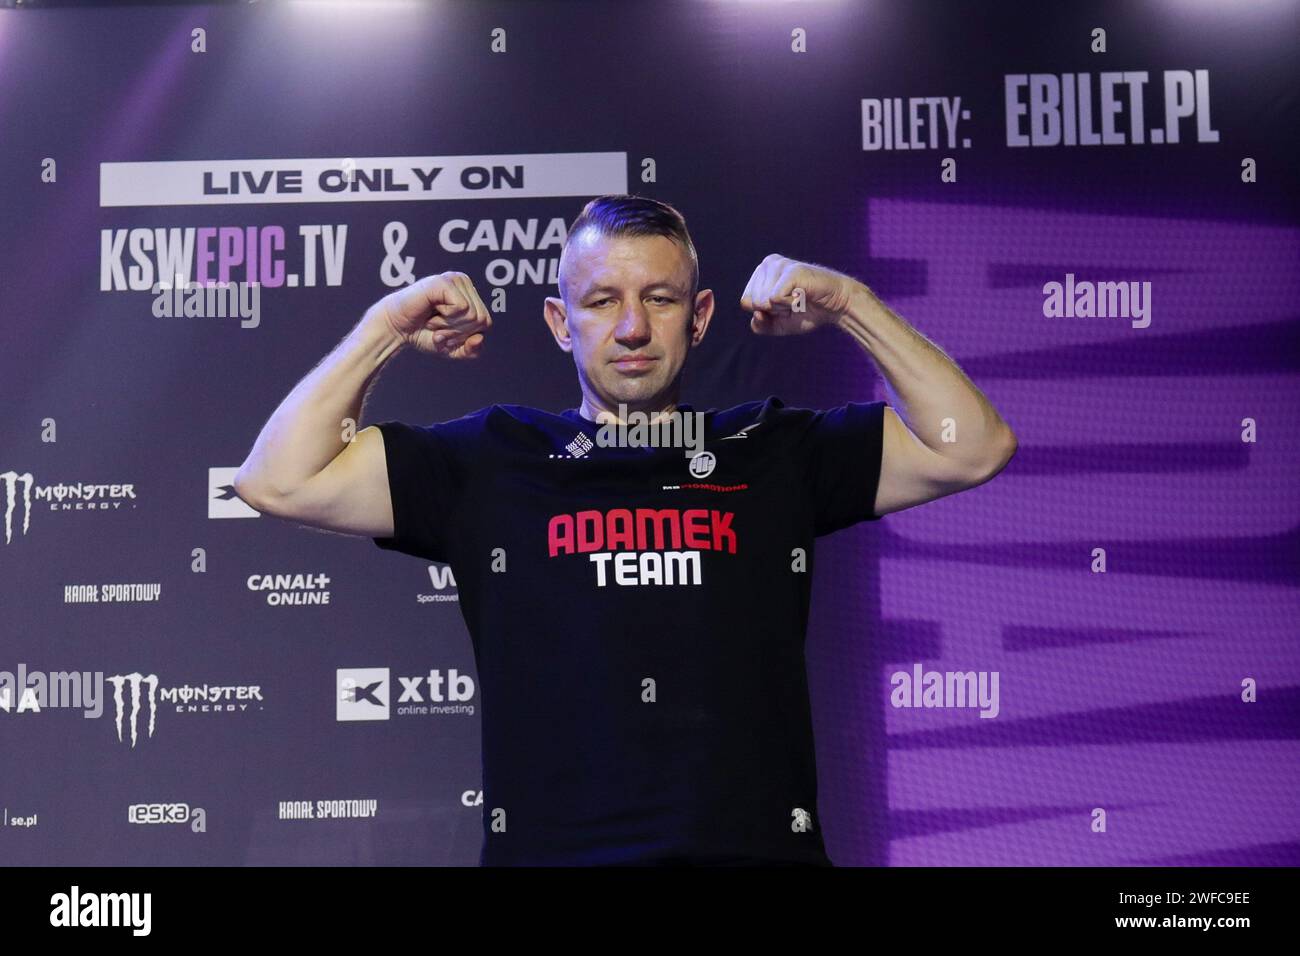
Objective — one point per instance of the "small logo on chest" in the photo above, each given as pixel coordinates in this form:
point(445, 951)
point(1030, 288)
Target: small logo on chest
point(702, 464)
point(577, 448)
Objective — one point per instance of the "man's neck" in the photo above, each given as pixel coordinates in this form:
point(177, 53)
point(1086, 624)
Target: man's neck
point(593, 412)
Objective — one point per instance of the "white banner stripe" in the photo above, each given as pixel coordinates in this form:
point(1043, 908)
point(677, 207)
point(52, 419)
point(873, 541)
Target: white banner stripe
point(361, 179)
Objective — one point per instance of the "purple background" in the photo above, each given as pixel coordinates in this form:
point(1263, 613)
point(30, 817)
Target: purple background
point(1119, 690)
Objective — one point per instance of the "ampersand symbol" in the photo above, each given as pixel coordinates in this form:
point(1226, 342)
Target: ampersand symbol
point(396, 269)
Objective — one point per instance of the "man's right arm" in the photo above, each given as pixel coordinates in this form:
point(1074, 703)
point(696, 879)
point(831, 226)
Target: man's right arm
point(300, 467)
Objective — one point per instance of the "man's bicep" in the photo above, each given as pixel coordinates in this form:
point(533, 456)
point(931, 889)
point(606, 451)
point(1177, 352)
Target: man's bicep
point(351, 494)
point(911, 473)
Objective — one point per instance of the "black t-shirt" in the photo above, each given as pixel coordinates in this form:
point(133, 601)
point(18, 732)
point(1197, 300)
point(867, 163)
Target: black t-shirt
point(638, 621)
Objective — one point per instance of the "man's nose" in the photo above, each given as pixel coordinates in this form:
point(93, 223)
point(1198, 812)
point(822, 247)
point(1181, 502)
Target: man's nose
point(633, 326)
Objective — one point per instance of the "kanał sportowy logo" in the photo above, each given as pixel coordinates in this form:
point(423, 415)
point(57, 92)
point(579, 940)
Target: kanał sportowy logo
point(138, 697)
point(20, 491)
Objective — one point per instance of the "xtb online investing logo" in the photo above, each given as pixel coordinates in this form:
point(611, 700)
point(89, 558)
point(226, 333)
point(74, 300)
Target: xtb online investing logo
point(365, 693)
point(222, 500)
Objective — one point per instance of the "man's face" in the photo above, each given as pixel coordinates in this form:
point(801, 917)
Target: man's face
point(628, 318)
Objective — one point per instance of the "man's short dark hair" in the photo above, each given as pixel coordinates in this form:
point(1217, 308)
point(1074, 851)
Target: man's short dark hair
point(627, 215)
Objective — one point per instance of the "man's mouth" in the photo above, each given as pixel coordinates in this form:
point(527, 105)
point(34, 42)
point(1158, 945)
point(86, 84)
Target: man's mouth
point(634, 362)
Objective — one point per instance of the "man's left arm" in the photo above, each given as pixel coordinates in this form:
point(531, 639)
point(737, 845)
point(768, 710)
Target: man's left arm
point(953, 438)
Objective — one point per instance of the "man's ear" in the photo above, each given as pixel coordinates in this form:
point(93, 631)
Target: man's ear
point(700, 317)
point(557, 320)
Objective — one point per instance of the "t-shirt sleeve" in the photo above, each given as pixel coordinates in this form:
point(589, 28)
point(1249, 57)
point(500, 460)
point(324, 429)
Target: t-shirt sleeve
point(842, 450)
point(422, 483)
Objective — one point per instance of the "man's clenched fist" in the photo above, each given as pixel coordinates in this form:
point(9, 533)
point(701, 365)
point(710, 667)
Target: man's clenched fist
point(787, 297)
point(441, 314)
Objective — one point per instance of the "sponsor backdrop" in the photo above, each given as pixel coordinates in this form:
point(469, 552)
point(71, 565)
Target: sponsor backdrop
point(1089, 209)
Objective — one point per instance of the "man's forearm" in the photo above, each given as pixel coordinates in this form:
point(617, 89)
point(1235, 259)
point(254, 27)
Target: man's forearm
point(306, 431)
point(929, 387)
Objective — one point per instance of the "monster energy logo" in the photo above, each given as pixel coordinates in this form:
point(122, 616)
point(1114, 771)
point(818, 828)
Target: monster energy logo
point(12, 480)
point(79, 496)
point(135, 680)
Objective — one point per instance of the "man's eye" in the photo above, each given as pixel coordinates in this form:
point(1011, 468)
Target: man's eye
point(658, 298)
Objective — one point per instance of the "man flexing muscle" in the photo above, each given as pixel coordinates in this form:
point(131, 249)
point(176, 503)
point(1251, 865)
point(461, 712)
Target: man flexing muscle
point(637, 616)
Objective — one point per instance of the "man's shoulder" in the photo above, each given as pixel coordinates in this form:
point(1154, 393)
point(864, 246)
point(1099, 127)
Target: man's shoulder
point(766, 412)
point(480, 418)
point(501, 422)
point(772, 416)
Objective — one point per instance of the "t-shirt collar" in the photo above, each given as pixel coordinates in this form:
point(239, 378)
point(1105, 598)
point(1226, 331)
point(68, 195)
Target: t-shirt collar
point(577, 415)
